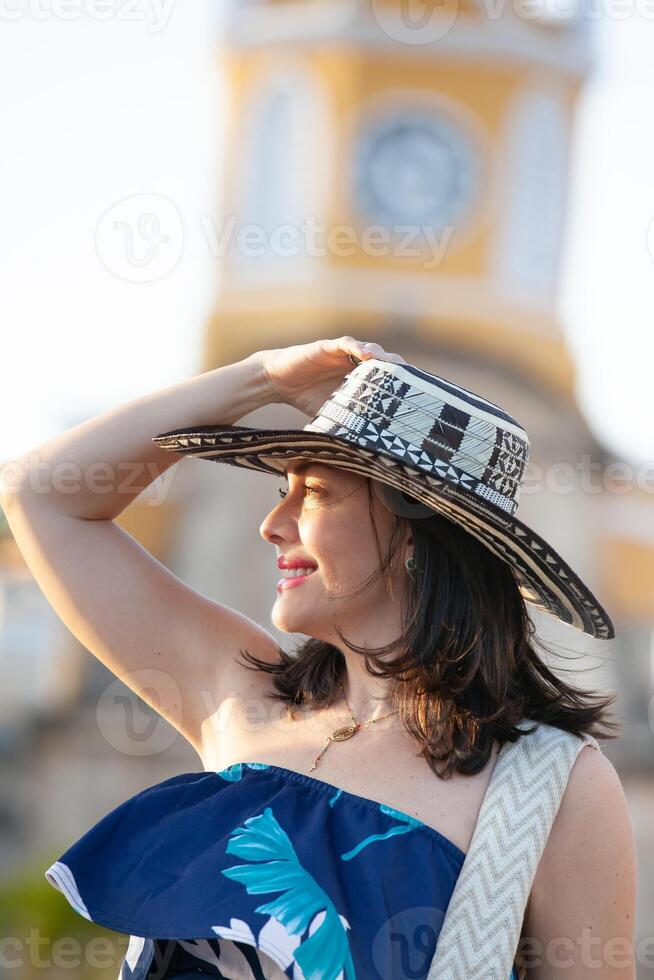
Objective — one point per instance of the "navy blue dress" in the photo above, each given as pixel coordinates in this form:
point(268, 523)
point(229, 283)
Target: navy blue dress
point(258, 871)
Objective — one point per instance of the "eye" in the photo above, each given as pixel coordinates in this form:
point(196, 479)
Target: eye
point(282, 493)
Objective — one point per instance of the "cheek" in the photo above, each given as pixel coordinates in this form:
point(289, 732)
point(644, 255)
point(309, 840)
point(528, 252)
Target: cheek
point(343, 548)
point(327, 539)
point(313, 533)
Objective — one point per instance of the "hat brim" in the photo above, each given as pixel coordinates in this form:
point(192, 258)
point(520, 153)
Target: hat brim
point(544, 578)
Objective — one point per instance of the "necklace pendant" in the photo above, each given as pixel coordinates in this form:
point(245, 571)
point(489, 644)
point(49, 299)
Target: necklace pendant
point(341, 734)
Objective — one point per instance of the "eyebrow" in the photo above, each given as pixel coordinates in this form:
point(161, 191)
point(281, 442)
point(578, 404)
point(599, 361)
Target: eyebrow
point(300, 468)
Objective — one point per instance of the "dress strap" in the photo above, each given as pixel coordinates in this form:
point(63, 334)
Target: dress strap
point(483, 921)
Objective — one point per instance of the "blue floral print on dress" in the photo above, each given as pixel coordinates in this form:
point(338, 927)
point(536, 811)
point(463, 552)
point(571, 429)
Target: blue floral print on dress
point(263, 873)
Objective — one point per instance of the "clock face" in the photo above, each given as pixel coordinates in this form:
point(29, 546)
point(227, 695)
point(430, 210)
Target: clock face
point(415, 168)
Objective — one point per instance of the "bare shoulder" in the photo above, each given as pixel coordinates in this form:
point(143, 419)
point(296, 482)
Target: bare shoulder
point(585, 885)
point(593, 811)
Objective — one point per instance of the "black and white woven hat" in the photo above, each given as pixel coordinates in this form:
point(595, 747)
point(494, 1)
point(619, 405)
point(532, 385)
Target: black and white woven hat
point(444, 446)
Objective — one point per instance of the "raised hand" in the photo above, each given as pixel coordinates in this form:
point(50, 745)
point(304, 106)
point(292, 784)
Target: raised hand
point(305, 375)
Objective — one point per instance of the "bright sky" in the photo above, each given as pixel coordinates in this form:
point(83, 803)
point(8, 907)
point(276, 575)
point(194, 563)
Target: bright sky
point(96, 111)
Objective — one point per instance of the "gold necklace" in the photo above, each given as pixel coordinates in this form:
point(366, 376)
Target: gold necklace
point(346, 731)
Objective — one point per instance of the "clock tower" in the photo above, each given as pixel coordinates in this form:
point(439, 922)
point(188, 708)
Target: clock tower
point(399, 175)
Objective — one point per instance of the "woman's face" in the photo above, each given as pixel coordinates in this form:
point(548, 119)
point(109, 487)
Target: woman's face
point(325, 518)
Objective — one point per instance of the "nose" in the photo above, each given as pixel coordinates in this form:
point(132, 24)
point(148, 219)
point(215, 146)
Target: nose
point(279, 525)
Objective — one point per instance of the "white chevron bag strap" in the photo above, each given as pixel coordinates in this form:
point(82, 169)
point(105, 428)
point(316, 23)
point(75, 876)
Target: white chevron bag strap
point(483, 921)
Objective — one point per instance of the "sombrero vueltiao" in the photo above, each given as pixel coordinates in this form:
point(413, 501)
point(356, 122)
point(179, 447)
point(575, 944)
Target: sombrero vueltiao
point(441, 444)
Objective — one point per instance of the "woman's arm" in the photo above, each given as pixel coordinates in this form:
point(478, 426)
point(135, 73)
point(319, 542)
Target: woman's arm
point(94, 470)
point(580, 918)
point(166, 642)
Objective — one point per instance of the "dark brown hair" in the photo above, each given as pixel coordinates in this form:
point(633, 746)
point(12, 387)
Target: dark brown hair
point(469, 670)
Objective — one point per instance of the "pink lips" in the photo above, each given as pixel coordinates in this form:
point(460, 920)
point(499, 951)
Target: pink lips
point(289, 583)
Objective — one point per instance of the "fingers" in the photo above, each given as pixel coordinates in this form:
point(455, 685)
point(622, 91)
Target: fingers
point(361, 350)
point(352, 346)
point(372, 349)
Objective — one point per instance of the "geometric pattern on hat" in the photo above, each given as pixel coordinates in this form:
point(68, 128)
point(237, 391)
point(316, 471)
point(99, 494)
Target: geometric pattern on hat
point(439, 443)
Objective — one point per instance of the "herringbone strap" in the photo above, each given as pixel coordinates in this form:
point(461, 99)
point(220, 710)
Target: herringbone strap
point(481, 931)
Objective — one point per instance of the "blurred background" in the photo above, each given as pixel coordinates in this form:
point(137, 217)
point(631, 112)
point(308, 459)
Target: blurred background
point(466, 182)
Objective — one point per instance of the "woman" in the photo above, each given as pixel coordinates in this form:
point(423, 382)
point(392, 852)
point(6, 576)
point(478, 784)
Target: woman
point(342, 785)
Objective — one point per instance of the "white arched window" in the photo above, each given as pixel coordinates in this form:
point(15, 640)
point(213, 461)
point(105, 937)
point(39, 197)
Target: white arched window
point(533, 177)
point(282, 178)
